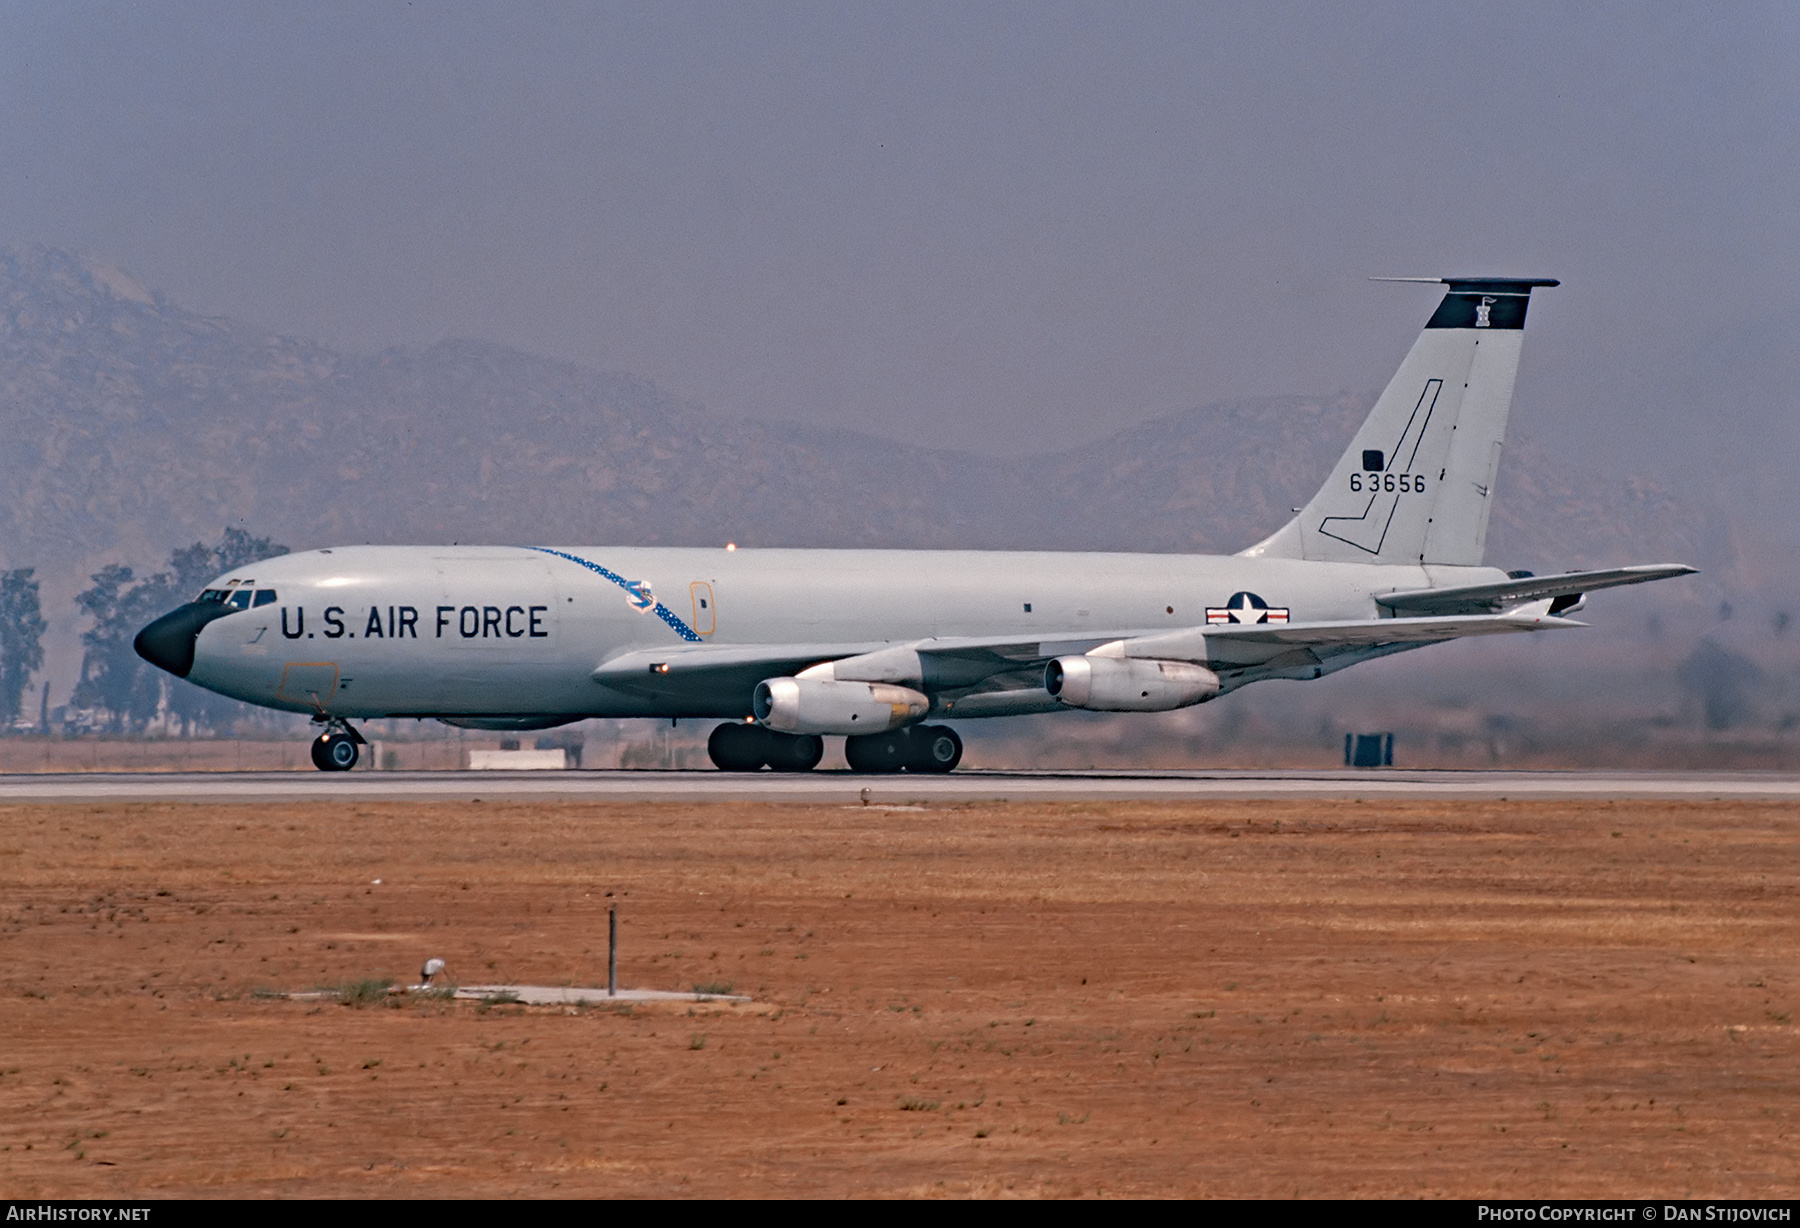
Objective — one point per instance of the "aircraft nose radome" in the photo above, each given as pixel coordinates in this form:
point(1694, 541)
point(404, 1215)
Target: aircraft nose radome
point(168, 643)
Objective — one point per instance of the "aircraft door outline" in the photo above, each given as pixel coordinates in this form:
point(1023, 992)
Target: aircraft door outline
point(309, 682)
point(705, 612)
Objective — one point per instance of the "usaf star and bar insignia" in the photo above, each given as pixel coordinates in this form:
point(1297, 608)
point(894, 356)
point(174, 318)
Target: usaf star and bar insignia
point(1246, 608)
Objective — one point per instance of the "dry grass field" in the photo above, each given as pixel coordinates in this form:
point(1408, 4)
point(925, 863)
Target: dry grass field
point(1244, 998)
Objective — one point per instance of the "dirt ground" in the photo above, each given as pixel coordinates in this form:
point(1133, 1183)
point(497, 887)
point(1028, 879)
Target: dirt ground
point(1225, 999)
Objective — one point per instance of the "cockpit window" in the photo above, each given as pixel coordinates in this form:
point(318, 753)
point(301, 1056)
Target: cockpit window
point(237, 598)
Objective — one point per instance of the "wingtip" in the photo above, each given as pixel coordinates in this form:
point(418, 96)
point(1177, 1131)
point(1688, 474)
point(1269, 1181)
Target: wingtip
point(1529, 283)
point(1541, 622)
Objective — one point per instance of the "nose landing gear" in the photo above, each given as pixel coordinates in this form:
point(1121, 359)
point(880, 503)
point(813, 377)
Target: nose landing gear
point(337, 749)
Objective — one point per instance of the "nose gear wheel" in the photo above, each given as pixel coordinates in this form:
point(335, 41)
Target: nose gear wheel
point(334, 752)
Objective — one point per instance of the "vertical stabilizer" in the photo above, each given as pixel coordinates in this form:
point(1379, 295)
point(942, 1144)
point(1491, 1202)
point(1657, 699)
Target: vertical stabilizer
point(1415, 485)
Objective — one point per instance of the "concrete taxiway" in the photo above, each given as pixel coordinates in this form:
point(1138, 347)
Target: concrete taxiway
point(845, 788)
point(538, 995)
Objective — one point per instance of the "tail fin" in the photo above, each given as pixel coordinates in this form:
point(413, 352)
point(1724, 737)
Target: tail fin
point(1414, 485)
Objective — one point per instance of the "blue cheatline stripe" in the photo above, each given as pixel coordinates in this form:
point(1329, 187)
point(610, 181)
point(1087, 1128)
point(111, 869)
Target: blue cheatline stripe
point(661, 611)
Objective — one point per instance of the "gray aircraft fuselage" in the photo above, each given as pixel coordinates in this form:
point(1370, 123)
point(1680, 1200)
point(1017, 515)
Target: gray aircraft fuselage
point(474, 630)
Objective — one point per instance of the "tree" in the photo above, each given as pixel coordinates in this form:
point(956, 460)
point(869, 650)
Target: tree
point(113, 677)
point(21, 633)
point(1726, 683)
point(120, 604)
point(192, 566)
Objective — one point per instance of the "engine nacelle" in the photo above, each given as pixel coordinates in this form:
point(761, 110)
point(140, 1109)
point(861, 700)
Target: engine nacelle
point(1128, 684)
point(816, 705)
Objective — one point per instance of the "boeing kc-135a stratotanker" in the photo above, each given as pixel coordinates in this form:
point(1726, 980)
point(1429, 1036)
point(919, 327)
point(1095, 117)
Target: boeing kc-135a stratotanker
point(879, 645)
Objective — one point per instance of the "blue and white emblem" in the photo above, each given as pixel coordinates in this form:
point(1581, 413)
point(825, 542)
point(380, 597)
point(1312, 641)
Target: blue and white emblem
point(1246, 608)
point(639, 597)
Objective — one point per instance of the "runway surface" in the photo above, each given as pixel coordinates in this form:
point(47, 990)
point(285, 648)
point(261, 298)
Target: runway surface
point(849, 789)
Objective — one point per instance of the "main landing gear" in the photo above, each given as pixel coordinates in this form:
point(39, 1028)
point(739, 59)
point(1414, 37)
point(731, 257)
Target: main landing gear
point(751, 748)
point(744, 747)
point(916, 748)
point(337, 749)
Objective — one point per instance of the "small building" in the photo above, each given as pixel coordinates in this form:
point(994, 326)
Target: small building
point(1367, 750)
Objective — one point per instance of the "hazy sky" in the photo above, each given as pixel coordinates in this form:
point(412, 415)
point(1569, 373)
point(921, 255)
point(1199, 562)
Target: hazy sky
point(991, 226)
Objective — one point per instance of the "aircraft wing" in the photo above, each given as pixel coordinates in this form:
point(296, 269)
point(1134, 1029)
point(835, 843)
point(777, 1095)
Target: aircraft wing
point(949, 661)
point(714, 668)
point(1491, 598)
point(1215, 643)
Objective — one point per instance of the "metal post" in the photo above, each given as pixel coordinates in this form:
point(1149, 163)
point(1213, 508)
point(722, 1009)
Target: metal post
point(612, 952)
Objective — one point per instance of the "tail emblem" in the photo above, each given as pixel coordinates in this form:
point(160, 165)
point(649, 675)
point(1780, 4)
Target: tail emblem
point(1246, 608)
point(1385, 477)
point(1482, 311)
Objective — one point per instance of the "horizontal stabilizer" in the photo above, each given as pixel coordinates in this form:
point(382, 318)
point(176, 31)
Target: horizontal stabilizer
point(1491, 598)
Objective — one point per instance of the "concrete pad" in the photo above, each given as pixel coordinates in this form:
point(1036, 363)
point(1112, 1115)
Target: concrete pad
point(557, 995)
point(518, 760)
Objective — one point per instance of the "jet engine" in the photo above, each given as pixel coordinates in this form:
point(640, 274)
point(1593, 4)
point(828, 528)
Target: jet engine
point(1128, 684)
point(811, 705)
